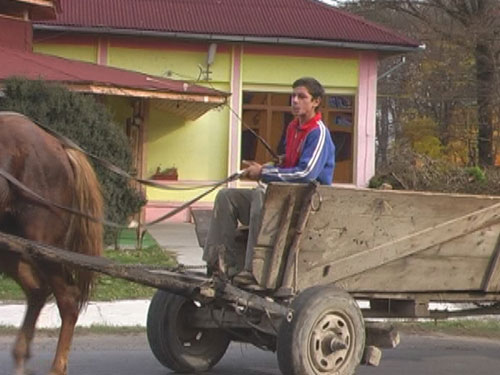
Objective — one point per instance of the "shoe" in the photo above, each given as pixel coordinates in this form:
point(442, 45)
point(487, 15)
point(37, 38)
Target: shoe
point(244, 278)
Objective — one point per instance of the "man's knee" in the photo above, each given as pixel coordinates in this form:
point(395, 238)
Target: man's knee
point(232, 197)
point(223, 199)
point(222, 194)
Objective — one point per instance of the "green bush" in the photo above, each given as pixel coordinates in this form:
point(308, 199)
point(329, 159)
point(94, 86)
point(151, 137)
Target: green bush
point(81, 118)
point(476, 174)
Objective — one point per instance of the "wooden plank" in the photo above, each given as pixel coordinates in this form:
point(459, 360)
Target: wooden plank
point(351, 221)
point(442, 296)
point(175, 283)
point(276, 263)
point(371, 356)
point(269, 229)
point(479, 244)
point(400, 308)
point(402, 247)
point(100, 264)
point(290, 278)
point(491, 282)
point(202, 223)
point(420, 274)
point(382, 335)
point(271, 213)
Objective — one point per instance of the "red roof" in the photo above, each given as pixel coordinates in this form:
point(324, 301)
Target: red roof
point(290, 19)
point(57, 69)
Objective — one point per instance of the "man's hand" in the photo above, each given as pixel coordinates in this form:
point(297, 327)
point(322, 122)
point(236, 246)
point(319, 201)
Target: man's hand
point(253, 170)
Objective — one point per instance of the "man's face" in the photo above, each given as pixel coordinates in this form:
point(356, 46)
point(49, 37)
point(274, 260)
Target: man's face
point(303, 104)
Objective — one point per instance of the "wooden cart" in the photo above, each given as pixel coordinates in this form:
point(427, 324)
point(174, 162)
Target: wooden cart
point(319, 250)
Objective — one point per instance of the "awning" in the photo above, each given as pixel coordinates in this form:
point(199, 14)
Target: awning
point(38, 9)
point(182, 98)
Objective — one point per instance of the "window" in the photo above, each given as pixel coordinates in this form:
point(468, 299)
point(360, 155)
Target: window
point(338, 115)
point(268, 114)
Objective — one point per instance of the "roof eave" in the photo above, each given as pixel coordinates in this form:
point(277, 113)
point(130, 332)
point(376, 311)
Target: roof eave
point(236, 38)
point(97, 88)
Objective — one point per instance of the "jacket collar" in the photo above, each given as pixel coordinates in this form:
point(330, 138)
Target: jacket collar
point(309, 124)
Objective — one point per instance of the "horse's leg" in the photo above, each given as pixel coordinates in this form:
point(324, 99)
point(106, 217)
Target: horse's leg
point(22, 346)
point(58, 281)
point(25, 275)
point(36, 295)
point(67, 297)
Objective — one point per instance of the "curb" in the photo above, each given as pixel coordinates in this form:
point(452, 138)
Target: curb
point(124, 313)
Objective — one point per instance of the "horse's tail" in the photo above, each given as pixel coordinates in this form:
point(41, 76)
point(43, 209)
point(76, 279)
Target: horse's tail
point(84, 235)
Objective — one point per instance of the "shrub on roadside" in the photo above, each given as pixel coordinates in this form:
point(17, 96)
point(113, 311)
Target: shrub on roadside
point(81, 118)
point(412, 171)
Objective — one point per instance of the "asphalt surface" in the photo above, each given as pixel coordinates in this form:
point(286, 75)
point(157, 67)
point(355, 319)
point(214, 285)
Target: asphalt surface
point(130, 355)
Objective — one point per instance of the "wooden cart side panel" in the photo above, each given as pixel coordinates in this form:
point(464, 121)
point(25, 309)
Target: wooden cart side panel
point(457, 265)
point(417, 274)
point(392, 226)
point(276, 206)
point(276, 265)
point(491, 280)
point(402, 247)
point(352, 222)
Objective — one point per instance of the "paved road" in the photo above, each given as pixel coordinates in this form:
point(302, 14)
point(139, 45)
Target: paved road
point(130, 355)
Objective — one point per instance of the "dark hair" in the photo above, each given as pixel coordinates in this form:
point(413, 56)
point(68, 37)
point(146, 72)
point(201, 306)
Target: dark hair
point(312, 85)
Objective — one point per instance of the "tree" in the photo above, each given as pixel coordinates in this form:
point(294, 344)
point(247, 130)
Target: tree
point(88, 123)
point(471, 26)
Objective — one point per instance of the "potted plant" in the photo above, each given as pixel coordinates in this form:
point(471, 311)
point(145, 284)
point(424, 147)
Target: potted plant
point(165, 174)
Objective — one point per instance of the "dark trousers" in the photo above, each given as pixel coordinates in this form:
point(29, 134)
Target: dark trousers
point(233, 206)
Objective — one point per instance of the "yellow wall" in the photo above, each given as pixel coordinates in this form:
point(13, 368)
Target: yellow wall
point(183, 64)
point(120, 108)
point(87, 53)
point(284, 70)
point(198, 149)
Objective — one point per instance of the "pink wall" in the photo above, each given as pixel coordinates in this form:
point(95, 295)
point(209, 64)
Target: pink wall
point(365, 113)
point(234, 128)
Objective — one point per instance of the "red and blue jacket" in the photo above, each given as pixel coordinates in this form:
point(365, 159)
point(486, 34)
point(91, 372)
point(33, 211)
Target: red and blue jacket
point(310, 154)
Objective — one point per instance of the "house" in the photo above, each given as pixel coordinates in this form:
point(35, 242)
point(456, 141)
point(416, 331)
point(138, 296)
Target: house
point(253, 49)
point(125, 92)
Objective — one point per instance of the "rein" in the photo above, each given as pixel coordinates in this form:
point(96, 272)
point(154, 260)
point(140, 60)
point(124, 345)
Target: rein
point(48, 203)
point(66, 142)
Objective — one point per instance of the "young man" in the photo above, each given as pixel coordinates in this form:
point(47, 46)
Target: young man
point(309, 156)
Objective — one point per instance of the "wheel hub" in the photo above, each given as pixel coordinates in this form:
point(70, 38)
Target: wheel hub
point(330, 342)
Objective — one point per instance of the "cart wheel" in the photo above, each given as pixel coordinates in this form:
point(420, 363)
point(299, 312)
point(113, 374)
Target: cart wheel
point(175, 343)
point(325, 336)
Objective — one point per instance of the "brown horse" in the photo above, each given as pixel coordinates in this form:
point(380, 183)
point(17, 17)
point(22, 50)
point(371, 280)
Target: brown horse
point(63, 176)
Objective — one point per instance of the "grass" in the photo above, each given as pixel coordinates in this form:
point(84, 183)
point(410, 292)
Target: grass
point(92, 330)
point(128, 239)
point(487, 328)
point(109, 288)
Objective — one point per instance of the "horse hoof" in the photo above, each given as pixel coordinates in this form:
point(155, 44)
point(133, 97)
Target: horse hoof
point(23, 371)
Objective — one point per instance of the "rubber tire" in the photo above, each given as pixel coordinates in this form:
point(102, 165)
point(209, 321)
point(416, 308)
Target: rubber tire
point(295, 337)
point(168, 317)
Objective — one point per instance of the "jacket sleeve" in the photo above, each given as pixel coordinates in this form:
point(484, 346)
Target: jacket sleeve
point(310, 163)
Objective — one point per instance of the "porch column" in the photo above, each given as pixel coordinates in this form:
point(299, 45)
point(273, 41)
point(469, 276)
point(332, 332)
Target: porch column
point(235, 114)
point(102, 51)
point(365, 113)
